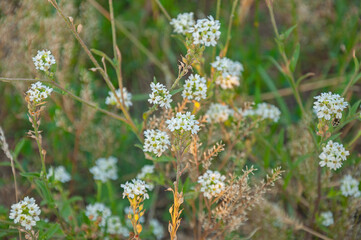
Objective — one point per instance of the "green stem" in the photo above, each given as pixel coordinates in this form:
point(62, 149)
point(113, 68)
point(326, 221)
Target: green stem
point(110, 193)
point(114, 37)
point(99, 190)
point(163, 10)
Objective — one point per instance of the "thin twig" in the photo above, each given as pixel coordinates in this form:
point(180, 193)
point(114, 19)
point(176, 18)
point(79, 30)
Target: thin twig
point(163, 10)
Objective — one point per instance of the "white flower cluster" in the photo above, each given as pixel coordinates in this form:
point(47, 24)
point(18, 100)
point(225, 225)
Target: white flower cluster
point(212, 183)
point(157, 228)
point(43, 60)
point(60, 174)
point(349, 186)
point(146, 169)
point(115, 227)
point(206, 31)
point(155, 141)
point(327, 218)
point(98, 211)
point(183, 122)
point(160, 95)
point(135, 188)
point(230, 72)
point(265, 111)
point(111, 100)
point(218, 113)
point(332, 155)
point(25, 212)
point(38, 92)
point(183, 22)
point(329, 106)
point(195, 88)
point(105, 169)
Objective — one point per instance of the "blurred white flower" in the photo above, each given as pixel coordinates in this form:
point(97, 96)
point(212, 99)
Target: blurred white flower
point(265, 111)
point(350, 186)
point(98, 211)
point(218, 113)
point(206, 31)
point(183, 22)
point(111, 99)
point(105, 169)
point(135, 188)
point(229, 72)
point(183, 122)
point(157, 228)
point(115, 227)
point(60, 174)
point(146, 169)
point(155, 141)
point(212, 183)
point(327, 218)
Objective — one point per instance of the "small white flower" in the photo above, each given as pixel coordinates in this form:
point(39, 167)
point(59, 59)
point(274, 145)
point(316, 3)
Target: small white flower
point(115, 227)
point(183, 22)
point(332, 155)
point(212, 183)
point(183, 122)
point(349, 186)
point(96, 211)
point(25, 212)
point(135, 188)
point(43, 60)
point(329, 106)
point(157, 228)
point(60, 174)
point(218, 113)
point(111, 99)
point(155, 141)
point(195, 87)
point(105, 169)
point(160, 95)
point(38, 92)
point(229, 72)
point(147, 169)
point(327, 218)
point(206, 31)
point(265, 111)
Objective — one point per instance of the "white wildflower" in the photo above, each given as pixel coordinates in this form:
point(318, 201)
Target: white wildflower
point(183, 22)
point(38, 92)
point(160, 95)
point(25, 212)
point(157, 228)
point(212, 183)
point(218, 113)
point(98, 212)
point(155, 141)
point(43, 60)
point(183, 122)
point(229, 72)
point(327, 218)
point(195, 87)
point(60, 174)
point(206, 31)
point(135, 188)
point(265, 111)
point(147, 169)
point(111, 99)
point(332, 155)
point(105, 169)
point(115, 227)
point(329, 106)
point(350, 186)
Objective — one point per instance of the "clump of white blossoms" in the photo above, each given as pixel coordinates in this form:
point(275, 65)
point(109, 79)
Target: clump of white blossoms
point(212, 183)
point(206, 31)
point(60, 174)
point(332, 155)
point(329, 106)
point(105, 169)
point(327, 218)
point(157, 228)
point(183, 122)
point(195, 87)
point(43, 60)
point(38, 92)
point(229, 72)
point(98, 212)
point(160, 95)
point(349, 186)
point(146, 169)
point(25, 212)
point(218, 113)
point(265, 111)
point(155, 141)
point(115, 227)
point(134, 189)
point(183, 22)
point(111, 99)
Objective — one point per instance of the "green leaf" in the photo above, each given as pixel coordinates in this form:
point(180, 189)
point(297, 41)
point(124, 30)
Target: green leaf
point(102, 54)
point(287, 33)
point(19, 146)
point(295, 57)
point(44, 192)
point(30, 174)
point(176, 91)
point(354, 108)
point(55, 228)
point(163, 159)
